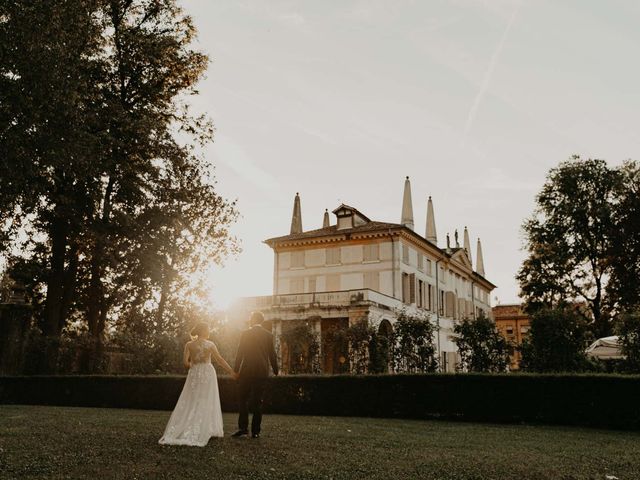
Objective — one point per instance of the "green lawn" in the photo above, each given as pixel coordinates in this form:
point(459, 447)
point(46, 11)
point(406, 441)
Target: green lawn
point(55, 442)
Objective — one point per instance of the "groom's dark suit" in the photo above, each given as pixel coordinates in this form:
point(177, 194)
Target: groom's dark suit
point(255, 354)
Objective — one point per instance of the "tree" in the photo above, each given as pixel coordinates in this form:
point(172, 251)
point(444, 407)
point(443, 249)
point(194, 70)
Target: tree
point(629, 339)
point(48, 68)
point(625, 248)
point(482, 348)
point(101, 164)
point(413, 344)
point(302, 348)
point(359, 338)
point(556, 342)
point(569, 238)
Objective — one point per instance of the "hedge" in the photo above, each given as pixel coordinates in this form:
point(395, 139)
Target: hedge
point(611, 401)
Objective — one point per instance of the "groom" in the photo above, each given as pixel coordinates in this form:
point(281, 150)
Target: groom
point(255, 353)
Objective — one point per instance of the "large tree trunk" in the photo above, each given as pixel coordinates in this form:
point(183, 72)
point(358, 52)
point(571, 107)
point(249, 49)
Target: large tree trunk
point(97, 307)
point(53, 323)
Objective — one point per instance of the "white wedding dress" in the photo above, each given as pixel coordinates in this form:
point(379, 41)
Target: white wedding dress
point(197, 416)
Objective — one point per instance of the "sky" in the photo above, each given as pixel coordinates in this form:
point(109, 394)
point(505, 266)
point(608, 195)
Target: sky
point(474, 100)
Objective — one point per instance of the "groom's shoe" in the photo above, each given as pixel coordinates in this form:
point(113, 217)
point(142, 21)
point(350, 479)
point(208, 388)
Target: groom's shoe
point(255, 435)
point(240, 433)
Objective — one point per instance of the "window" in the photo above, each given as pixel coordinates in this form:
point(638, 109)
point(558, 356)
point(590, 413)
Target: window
point(372, 280)
point(405, 287)
point(428, 271)
point(412, 288)
point(333, 283)
point(296, 285)
point(333, 256)
point(430, 297)
point(371, 253)
point(420, 293)
point(420, 262)
point(405, 254)
point(312, 284)
point(297, 259)
point(441, 306)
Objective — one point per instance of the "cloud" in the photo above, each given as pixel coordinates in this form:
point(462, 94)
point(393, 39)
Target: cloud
point(488, 75)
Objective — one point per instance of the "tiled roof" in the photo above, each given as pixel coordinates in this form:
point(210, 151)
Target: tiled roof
point(333, 230)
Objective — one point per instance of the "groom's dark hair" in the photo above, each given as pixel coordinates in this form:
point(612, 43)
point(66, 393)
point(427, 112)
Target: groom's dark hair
point(256, 318)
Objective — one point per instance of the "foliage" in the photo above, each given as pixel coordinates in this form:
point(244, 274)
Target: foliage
point(413, 348)
point(353, 343)
point(379, 353)
point(103, 173)
point(556, 342)
point(360, 335)
point(335, 349)
point(569, 239)
point(302, 347)
point(608, 401)
point(482, 348)
point(625, 251)
point(629, 339)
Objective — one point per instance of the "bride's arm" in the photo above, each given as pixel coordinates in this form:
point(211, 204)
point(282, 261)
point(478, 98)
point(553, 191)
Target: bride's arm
point(220, 360)
point(185, 356)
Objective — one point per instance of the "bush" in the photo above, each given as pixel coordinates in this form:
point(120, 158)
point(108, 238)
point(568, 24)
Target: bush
point(588, 400)
point(412, 345)
point(482, 348)
point(629, 336)
point(556, 342)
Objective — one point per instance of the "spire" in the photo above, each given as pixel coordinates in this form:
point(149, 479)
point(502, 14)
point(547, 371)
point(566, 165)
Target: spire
point(296, 218)
point(479, 260)
point(326, 223)
point(407, 206)
point(467, 243)
point(431, 224)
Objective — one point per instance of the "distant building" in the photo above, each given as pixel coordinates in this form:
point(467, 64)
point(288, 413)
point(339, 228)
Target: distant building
point(513, 323)
point(356, 269)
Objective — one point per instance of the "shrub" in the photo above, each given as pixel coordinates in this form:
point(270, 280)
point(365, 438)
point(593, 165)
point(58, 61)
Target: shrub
point(586, 399)
point(629, 338)
point(412, 345)
point(482, 348)
point(556, 342)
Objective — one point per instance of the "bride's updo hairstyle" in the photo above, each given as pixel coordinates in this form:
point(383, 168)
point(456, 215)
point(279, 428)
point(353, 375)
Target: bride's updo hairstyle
point(201, 330)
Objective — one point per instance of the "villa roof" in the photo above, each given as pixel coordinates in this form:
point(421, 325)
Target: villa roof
point(371, 226)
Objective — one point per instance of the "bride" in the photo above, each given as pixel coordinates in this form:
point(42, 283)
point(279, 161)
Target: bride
point(197, 416)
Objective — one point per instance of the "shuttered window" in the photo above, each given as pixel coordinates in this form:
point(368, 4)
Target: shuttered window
point(333, 256)
point(297, 259)
point(412, 288)
point(371, 252)
point(372, 281)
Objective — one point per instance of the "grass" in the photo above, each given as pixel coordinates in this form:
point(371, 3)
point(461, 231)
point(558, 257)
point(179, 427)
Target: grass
point(62, 442)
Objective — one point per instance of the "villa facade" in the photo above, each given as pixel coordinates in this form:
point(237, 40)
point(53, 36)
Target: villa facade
point(356, 269)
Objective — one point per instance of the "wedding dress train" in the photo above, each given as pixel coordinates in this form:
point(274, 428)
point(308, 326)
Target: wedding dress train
point(197, 416)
